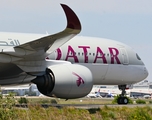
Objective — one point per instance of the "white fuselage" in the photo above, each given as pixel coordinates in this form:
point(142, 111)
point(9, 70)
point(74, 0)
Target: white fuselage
point(111, 62)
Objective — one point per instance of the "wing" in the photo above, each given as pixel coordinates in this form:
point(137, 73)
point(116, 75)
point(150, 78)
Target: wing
point(40, 48)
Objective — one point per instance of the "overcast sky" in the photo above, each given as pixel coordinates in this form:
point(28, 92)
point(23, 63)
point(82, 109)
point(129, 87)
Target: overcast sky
point(127, 21)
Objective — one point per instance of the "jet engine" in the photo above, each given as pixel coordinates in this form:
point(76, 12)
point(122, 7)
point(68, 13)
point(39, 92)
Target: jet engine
point(66, 81)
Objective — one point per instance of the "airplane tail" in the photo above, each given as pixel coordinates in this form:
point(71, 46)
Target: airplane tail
point(98, 93)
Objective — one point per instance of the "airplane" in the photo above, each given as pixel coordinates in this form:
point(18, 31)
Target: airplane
point(110, 94)
point(67, 66)
point(139, 92)
point(94, 95)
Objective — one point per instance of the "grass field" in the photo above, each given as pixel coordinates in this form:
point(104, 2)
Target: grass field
point(104, 101)
point(71, 113)
point(70, 101)
point(36, 112)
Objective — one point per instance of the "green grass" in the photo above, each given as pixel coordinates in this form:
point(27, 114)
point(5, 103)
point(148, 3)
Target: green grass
point(71, 113)
point(48, 100)
point(36, 112)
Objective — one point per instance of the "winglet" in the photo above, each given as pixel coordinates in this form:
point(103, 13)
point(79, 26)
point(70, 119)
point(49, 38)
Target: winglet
point(72, 19)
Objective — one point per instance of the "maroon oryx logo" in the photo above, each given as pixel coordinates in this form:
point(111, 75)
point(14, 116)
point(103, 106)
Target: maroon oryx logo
point(80, 80)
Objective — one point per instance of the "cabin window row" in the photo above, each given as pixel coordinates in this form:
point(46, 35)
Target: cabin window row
point(99, 54)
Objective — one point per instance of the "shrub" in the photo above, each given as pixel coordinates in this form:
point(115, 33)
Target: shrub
point(150, 102)
point(23, 100)
point(130, 100)
point(139, 101)
point(45, 101)
point(116, 98)
point(114, 101)
point(53, 101)
point(7, 110)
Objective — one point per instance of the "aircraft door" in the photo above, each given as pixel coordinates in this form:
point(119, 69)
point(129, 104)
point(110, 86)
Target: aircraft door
point(124, 56)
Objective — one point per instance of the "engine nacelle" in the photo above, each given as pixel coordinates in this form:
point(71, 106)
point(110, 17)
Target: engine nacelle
point(65, 81)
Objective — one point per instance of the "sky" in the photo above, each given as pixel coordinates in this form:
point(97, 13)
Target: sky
point(127, 21)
